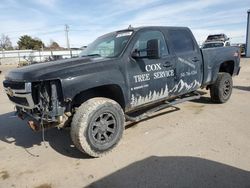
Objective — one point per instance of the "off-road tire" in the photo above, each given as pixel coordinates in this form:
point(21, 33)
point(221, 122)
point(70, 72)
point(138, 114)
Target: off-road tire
point(85, 118)
point(221, 90)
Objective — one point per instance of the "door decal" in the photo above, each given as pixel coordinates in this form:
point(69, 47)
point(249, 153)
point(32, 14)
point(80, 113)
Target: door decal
point(183, 86)
point(136, 101)
point(164, 93)
point(186, 62)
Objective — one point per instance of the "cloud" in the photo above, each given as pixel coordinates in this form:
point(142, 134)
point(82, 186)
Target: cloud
point(46, 3)
point(203, 17)
point(89, 19)
point(115, 8)
point(169, 12)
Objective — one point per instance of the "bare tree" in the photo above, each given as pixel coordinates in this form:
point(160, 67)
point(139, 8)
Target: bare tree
point(54, 45)
point(5, 42)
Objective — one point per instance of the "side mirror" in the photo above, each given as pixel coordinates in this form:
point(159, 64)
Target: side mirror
point(151, 52)
point(136, 54)
point(153, 49)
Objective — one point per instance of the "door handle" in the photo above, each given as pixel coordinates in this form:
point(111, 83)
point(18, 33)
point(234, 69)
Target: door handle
point(167, 64)
point(195, 59)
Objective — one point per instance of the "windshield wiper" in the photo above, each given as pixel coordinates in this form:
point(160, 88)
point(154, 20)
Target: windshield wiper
point(94, 55)
point(91, 55)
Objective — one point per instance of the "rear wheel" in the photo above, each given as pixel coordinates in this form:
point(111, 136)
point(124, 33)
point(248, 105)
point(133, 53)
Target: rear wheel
point(97, 126)
point(221, 90)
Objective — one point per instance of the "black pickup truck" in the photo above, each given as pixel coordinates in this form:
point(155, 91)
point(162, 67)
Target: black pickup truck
point(117, 76)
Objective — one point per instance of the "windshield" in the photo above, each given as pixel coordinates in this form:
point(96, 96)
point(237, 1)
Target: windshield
point(108, 45)
point(212, 45)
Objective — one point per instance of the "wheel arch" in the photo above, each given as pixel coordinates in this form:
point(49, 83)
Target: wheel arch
point(111, 91)
point(227, 66)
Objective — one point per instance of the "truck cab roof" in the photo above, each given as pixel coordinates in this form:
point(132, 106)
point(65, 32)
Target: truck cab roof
point(146, 28)
point(151, 27)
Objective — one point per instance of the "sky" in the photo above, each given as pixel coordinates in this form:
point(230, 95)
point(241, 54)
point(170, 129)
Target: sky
point(46, 19)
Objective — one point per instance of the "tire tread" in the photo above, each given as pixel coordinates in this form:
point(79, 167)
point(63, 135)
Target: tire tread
point(215, 88)
point(80, 124)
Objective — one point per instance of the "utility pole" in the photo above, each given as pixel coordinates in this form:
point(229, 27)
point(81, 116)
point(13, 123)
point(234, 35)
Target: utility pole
point(67, 38)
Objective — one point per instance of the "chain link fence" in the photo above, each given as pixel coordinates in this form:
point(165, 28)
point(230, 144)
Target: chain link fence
point(20, 57)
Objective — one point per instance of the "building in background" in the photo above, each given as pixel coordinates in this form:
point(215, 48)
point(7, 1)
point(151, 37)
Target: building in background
point(248, 35)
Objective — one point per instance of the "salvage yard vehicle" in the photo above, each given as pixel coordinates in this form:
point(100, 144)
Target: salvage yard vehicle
point(118, 74)
point(242, 49)
point(215, 44)
point(217, 37)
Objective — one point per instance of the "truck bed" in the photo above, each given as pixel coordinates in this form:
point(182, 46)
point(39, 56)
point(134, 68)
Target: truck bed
point(212, 59)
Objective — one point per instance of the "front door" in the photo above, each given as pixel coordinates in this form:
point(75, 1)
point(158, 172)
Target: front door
point(150, 79)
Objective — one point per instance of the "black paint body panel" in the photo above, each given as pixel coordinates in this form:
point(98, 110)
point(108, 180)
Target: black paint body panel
point(80, 74)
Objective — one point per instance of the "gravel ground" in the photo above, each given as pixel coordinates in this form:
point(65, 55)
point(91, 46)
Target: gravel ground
point(201, 144)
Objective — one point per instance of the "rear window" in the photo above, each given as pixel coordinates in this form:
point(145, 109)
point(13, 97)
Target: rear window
point(181, 41)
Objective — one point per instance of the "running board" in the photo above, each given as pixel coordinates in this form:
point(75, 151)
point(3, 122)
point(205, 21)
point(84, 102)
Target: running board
point(167, 104)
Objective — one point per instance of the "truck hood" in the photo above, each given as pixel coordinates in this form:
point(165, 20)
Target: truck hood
point(56, 69)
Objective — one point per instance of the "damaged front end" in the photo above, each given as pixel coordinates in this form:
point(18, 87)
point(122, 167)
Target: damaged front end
point(40, 103)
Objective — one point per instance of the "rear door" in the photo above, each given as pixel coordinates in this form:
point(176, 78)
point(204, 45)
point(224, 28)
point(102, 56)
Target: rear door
point(189, 64)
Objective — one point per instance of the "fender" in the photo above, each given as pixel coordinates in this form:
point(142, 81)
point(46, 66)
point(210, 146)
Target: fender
point(75, 85)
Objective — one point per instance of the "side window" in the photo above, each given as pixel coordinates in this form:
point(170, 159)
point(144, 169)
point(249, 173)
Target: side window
point(181, 41)
point(141, 43)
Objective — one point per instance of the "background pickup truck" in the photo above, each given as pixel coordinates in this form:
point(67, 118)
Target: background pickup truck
point(118, 74)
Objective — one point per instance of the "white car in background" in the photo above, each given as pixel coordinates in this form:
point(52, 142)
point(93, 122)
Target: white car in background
point(217, 37)
point(215, 44)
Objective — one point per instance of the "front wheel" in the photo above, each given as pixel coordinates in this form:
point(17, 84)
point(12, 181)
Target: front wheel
point(97, 126)
point(221, 90)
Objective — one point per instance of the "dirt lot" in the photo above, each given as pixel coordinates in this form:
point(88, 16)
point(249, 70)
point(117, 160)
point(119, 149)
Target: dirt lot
point(200, 145)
